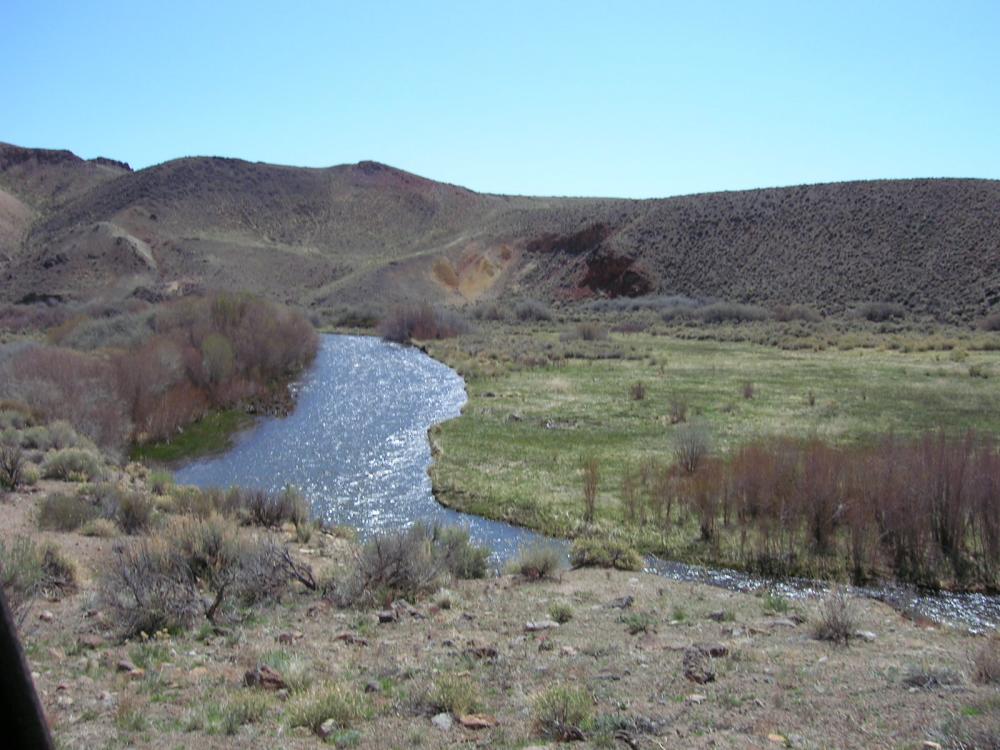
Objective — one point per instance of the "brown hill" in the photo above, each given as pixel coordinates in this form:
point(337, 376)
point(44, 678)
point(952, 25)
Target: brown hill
point(369, 232)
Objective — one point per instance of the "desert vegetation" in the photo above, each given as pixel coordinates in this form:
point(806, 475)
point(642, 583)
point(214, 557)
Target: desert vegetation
point(183, 361)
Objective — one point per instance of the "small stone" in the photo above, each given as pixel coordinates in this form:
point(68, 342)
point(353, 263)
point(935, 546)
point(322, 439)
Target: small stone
point(537, 625)
point(482, 652)
point(64, 701)
point(477, 721)
point(622, 602)
point(62, 686)
point(90, 640)
point(106, 698)
point(46, 616)
point(782, 622)
point(715, 650)
point(696, 698)
point(373, 687)
point(442, 721)
point(928, 745)
point(125, 665)
point(264, 677)
point(386, 616)
point(286, 639)
point(326, 729)
point(866, 635)
point(777, 738)
point(718, 616)
point(568, 651)
point(697, 666)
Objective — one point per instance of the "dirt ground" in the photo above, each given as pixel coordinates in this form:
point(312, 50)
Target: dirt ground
point(775, 685)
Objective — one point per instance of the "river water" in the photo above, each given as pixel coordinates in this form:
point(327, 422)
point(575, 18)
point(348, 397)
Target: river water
point(356, 446)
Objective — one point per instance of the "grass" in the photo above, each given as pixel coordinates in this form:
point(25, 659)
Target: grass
point(539, 405)
point(213, 434)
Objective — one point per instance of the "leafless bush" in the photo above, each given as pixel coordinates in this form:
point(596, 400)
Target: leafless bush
point(748, 389)
point(11, 466)
point(408, 322)
point(987, 662)
point(838, 619)
point(637, 391)
point(531, 310)
point(879, 312)
point(267, 508)
point(591, 478)
point(678, 410)
point(786, 313)
point(691, 446)
point(61, 512)
point(990, 322)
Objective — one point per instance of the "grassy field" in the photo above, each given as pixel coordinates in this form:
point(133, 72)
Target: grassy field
point(213, 434)
point(539, 403)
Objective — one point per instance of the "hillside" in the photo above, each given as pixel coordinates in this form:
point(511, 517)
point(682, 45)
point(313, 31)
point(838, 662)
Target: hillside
point(357, 233)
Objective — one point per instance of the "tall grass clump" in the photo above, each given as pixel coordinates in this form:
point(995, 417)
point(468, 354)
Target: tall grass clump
point(537, 561)
point(563, 713)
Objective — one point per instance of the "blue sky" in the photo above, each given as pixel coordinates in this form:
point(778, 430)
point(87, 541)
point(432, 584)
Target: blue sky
point(637, 99)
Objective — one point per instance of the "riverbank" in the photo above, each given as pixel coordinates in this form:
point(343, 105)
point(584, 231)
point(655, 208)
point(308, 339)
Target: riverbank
point(544, 398)
point(624, 643)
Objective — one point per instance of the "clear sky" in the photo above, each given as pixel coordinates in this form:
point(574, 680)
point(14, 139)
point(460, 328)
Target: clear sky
point(637, 99)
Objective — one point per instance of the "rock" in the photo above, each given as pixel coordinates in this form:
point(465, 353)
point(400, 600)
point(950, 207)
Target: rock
point(715, 650)
point(64, 701)
point(46, 616)
point(537, 625)
point(928, 745)
point(373, 687)
point(386, 616)
point(782, 622)
point(696, 698)
point(718, 616)
point(477, 721)
point(568, 651)
point(865, 635)
point(779, 739)
point(698, 666)
point(442, 721)
point(482, 652)
point(264, 677)
point(90, 640)
point(105, 698)
point(351, 638)
point(288, 638)
point(623, 602)
point(125, 665)
point(327, 728)
point(62, 686)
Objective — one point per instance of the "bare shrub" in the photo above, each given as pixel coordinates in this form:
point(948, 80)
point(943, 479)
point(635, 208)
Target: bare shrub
point(11, 466)
point(134, 512)
point(838, 619)
point(637, 391)
point(990, 322)
point(879, 312)
point(408, 322)
point(691, 446)
point(591, 478)
point(532, 310)
point(28, 571)
point(594, 552)
point(732, 312)
point(537, 561)
point(748, 389)
point(267, 508)
point(61, 512)
point(987, 662)
point(678, 410)
point(786, 313)
point(590, 331)
point(460, 557)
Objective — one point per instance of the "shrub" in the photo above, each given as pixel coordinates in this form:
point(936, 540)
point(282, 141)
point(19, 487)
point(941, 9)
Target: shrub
point(562, 713)
point(561, 612)
point(537, 561)
point(410, 563)
point(879, 312)
point(27, 571)
point(987, 662)
point(460, 557)
point(731, 312)
point(244, 708)
point(409, 322)
point(591, 477)
point(531, 310)
point(453, 695)
point(786, 313)
point(678, 410)
point(134, 512)
point(160, 482)
point(594, 552)
point(100, 528)
point(748, 390)
point(62, 512)
point(72, 464)
point(637, 391)
point(588, 331)
point(638, 622)
point(990, 322)
point(838, 619)
point(197, 567)
point(691, 447)
point(320, 703)
point(11, 466)
point(269, 509)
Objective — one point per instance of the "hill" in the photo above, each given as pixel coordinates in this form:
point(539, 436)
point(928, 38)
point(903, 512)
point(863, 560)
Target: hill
point(362, 232)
